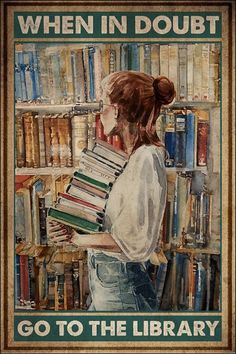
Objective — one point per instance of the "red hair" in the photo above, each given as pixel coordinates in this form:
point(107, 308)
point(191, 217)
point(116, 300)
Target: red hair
point(139, 98)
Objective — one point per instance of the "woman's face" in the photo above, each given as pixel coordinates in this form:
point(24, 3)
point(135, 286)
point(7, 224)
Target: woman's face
point(109, 112)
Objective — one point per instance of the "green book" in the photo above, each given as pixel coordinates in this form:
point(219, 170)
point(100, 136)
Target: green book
point(74, 221)
point(91, 181)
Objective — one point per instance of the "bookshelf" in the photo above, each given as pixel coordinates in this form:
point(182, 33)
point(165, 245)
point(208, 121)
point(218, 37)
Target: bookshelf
point(52, 272)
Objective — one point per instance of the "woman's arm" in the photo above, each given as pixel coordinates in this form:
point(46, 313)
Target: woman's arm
point(102, 241)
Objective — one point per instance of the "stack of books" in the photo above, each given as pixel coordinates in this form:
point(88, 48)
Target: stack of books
point(82, 205)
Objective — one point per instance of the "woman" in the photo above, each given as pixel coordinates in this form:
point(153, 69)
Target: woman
point(135, 208)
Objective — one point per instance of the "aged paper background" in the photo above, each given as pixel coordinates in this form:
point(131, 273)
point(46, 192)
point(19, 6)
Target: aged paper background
point(8, 344)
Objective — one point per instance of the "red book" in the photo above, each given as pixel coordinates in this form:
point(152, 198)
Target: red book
point(202, 139)
point(99, 128)
point(79, 201)
point(24, 278)
point(117, 143)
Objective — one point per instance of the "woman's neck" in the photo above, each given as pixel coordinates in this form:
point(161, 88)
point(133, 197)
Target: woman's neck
point(129, 136)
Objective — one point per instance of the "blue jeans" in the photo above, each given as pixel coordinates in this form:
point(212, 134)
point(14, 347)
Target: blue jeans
point(117, 285)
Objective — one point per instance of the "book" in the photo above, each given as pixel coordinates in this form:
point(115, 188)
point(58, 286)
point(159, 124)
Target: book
point(180, 140)
point(23, 220)
point(79, 125)
point(74, 221)
point(202, 142)
point(170, 139)
point(89, 188)
point(102, 148)
point(190, 140)
point(87, 196)
point(20, 141)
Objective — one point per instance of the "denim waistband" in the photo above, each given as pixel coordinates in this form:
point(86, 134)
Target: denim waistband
point(99, 258)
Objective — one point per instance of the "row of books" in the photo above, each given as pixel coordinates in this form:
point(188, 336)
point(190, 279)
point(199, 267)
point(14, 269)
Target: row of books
point(187, 218)
point(83, 204)
point(56, 140)
point(57, 74)
point(184, 282)
point(186, 137)
point(187, 282)
point(46, 285)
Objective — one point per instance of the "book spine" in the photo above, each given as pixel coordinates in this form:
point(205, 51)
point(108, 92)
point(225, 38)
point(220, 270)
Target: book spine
point(24, 279)
point(68, 287)
point(28, 129)
point(170, 139)
point(124, 56)
point(28, 81)
point(55, 141)
point(180, 145)
point(173, 67)
point(197, 76)
point(97, 73)
point(76, 284)
point(182, 72)
point(205, 72)
point(51, 278)
point(42, 158)
point(155, 60)
point(32, 281)
point(17, 280)
point(20, 141)
point(79, 136)
point(18, 83)
point(35, 143)
point(91, 52)
point(164, 60)
point(202, 142)
point(190, 70)
point(42, 220)
point(190, 141)
point(47, 138)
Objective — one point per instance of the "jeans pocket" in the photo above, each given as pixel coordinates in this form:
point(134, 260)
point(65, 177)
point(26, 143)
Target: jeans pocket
point(108, 274)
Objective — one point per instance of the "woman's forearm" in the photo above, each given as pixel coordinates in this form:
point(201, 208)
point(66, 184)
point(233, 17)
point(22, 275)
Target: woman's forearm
point(103, 241)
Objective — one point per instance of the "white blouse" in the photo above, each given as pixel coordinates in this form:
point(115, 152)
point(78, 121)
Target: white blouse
point(136, 205)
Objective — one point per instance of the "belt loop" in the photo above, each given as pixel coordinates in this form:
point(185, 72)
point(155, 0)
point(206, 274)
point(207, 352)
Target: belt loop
point(93, 261)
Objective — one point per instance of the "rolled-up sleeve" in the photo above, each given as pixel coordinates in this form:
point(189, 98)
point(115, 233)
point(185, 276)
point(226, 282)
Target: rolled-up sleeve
point(137, 205)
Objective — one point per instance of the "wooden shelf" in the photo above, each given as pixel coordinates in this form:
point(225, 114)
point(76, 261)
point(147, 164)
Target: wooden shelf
point(183, 169)
point(45, 171)
point(48, 108)
point(195, 250)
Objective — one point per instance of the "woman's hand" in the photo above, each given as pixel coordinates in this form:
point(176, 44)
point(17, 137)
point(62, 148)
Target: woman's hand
point(57, 232)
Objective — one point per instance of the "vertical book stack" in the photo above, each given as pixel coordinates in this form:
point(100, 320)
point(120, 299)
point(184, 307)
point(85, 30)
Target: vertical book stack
point(83, 204)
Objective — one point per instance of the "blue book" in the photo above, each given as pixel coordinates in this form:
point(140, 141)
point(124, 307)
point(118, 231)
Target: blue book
point(175, 211)
point(36, 72)
point(180, 144)
point(91, 52)
point(124, 56)
point(32, 76)
point(170, 140)
point(160, 282)
point(28, 79)
point(133, 57)
point(147, 59)
point(18, 88)
point(22, 76)
point(190, 140)
point(200, 287)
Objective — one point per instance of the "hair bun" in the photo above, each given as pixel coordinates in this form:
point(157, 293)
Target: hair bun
point(164, 90)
